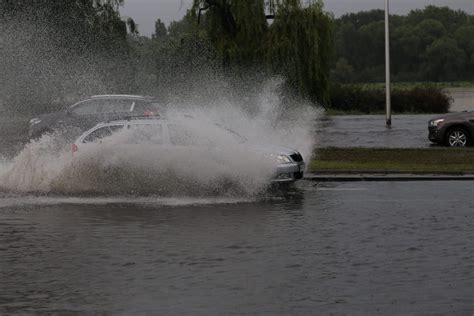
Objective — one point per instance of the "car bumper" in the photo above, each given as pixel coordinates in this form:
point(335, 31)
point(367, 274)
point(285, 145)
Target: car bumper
point(289, 172)
point(435, 135)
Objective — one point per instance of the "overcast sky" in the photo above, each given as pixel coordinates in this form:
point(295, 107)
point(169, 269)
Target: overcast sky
point(146, 12)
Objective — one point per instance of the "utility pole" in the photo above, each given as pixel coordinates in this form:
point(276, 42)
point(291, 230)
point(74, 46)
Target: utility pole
point(387, 67)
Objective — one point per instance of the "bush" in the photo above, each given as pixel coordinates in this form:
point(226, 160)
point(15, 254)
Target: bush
point(354, 98)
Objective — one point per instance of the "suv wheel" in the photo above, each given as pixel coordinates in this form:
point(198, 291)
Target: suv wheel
point(457, 137)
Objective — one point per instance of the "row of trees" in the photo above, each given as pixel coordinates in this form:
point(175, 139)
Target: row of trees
point(309, 48)
point(63, 50)
point(68, 49)
point(235, 38)
point(433, 44)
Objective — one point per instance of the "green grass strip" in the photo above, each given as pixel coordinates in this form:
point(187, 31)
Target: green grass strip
point(435, 160)
point(413, 85)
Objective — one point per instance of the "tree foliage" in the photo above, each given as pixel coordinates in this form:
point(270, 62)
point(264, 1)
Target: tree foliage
point(299, 48)
point(237, 29)
point(433, 44)
point(370, 100)
point(296, 45)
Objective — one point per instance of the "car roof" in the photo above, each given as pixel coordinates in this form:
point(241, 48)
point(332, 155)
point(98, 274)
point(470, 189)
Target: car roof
point(122, 96)
point(117, 97)
point(140, 120)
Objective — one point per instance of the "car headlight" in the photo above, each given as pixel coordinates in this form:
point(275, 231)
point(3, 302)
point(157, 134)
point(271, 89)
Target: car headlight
point(283, 159)
point(34, 121)
point(436, 122)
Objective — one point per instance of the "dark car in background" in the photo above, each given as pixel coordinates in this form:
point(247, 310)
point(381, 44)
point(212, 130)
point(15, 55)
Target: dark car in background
point(89, 112)
point(453, 129)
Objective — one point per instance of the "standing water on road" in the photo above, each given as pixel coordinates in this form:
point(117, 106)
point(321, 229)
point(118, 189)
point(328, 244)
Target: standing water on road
point(364, 248)
point(407, 131)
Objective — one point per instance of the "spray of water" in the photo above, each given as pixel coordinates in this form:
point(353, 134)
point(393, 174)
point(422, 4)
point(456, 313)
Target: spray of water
point(51, 73)
point(227, 168)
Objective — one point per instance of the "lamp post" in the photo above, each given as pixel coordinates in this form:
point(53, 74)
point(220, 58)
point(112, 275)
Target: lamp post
point(387, 67)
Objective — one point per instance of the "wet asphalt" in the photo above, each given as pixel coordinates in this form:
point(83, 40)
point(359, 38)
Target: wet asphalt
point(406, 131)
point(387, 248)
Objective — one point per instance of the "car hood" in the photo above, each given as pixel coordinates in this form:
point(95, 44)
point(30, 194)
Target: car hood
point(274, 149)
point(451, 116)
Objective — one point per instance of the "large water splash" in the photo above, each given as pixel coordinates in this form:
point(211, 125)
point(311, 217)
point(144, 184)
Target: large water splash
point(226, 169)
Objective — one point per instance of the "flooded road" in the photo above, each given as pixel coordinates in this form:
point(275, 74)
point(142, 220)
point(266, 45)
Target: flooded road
point(407, 131)
point(348, 248)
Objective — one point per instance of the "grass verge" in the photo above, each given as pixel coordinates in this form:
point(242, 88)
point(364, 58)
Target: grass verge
point(412, 85)
point(399, 160)
point(333, 112)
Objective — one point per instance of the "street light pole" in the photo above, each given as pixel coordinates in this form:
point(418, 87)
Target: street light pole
point(387, 67)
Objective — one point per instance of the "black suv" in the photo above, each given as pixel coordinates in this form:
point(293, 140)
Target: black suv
point(93, 110)
point(454, 129)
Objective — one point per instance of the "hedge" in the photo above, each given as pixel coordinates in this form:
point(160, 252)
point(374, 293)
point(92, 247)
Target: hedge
point(352, 98)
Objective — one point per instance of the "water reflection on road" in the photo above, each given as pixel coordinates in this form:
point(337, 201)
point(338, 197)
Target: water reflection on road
point(407, 131)
point(392, 248)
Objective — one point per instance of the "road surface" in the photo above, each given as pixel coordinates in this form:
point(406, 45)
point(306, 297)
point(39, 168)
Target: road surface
point(346, 248)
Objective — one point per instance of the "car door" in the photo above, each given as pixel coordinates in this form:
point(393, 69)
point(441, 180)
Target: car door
point(187, 142)
point(146, 134)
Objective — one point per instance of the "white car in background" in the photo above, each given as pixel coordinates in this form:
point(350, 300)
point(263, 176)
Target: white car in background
point(289, 165)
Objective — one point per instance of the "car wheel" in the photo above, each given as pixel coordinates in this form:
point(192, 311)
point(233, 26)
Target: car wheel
point(457, 137)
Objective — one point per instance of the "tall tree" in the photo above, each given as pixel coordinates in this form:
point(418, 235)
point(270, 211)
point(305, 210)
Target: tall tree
point(444, 60)
point(299, 45)
point(160, 30)
point(237, 28)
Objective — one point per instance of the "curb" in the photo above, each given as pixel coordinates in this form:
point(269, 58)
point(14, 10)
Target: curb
point(386, 177)
point(385, 173)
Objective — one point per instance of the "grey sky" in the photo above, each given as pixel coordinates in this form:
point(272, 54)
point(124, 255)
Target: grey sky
point(145, 12)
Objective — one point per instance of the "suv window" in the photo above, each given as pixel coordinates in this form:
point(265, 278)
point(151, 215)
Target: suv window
point(117, 105)
point(86, 108)
point(91, 107)
point(101, 133)
point(141, 107)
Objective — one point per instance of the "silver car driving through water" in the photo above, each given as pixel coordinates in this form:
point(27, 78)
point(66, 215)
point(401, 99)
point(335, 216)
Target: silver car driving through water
point(288, 164)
